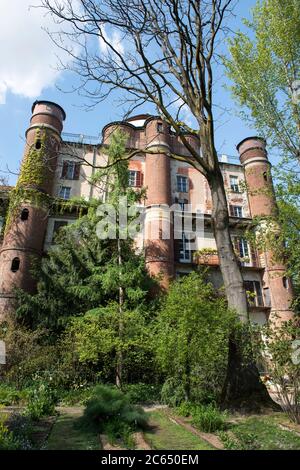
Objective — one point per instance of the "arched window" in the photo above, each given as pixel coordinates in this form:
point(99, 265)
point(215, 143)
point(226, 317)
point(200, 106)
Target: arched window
point(15, 264)
point(265, 175)
point(24, 214)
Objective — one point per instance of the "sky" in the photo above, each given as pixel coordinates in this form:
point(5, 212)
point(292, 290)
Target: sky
point(28, 72)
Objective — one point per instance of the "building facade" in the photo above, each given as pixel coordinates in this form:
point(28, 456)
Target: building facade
point(66, 163)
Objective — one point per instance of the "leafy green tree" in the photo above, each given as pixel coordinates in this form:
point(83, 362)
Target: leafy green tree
point(191, 336)
point(264, 67)
point(265, 70)
point(98, 344)
point(278, 351)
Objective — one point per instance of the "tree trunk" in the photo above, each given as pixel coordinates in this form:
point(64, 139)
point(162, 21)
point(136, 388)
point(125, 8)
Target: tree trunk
point(243, 390)
point(119, 366)
point(230, 269)
point(243, 387)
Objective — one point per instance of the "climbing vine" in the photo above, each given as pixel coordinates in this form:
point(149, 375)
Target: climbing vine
point(33, 174)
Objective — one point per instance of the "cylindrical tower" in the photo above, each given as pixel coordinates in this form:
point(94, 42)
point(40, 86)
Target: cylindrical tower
point(262, 203)
point(27, 216)
point(159, 239)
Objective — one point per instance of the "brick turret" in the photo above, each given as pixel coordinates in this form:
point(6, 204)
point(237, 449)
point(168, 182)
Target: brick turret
point(29, 202)
point(262, 203)
point(159, 251)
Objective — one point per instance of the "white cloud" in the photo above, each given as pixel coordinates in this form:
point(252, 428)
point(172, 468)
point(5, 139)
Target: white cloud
point(185, 112)
point(114, 39)
point(27, 55)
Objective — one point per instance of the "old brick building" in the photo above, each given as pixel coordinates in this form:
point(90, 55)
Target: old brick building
point(68, 162)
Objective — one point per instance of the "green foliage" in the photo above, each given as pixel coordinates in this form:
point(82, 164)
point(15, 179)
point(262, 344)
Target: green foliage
point(117, 430)
point(245, 441)
point(191, 340)
point(41, 402)
point(278, 351)
point(21, 427)
point(143, 393)
point(172, 392)
point(186, 409)
point(9, 395)
point(264, 64)
point(30, 357)
point(7, 439)
point(208, 418)
point(96, 341)
point(109, 405)
point(264, 68)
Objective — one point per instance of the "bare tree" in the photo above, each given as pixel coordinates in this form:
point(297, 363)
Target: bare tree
point(161, 52)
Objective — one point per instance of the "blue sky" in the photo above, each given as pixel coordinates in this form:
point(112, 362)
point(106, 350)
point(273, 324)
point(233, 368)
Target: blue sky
point(28, 72)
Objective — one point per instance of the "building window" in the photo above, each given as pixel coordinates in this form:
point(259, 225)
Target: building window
point(38, 144)
point(254, 293)
point(58, 224)
point(15, 265)
point(285, 282)
point(265, 175)
point(65, 192)
point(160, 127)
point(24, 214)
point(234, 184)
point(70, 170)
point(236, 211)
point(182, 184)
point(267, 297)
point(241, 246)
point(185, 253)
point(135, 178)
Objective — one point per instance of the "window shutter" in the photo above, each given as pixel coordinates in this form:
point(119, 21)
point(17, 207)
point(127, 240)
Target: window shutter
point(138, 179)
point(64, 169)
point(236, 244)
point(177, 250)
point(253, 255)
point(76, 171)
point(231, 210)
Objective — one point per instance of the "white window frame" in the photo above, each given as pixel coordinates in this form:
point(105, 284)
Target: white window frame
point(185, 253)
point(237, 211)
point(132, 178)
point(63, 191)
point(182, 183)
point(234, 185)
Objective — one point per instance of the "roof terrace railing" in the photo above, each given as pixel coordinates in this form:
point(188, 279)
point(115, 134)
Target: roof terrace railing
point(81, 138)
point(96, 140)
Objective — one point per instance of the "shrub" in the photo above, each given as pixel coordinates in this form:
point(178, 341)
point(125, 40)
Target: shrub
point(107, 404)
point(9, 395)
point(209, 419)
point(7, 439)
point(186, 409)
point(143, 393)
point(245, 441)
point(172, 392)
point(21, 427)
point(117, 430)
point(79, 396)
point(41, 402)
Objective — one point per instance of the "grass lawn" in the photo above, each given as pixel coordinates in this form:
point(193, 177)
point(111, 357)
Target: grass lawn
point(66, 435)
point(167, 435)
point(266, 434)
